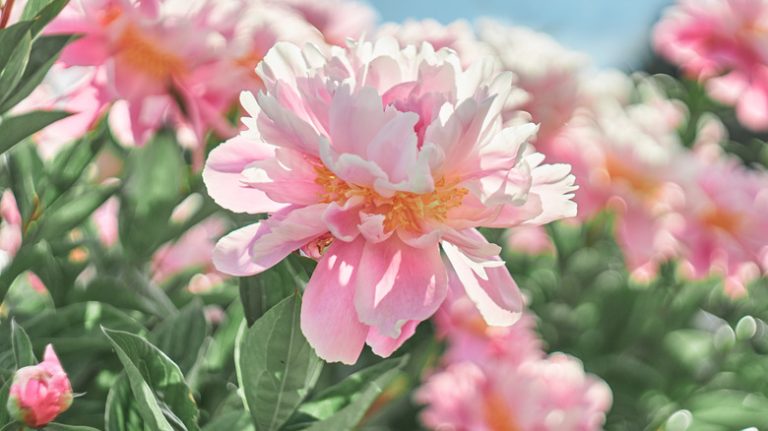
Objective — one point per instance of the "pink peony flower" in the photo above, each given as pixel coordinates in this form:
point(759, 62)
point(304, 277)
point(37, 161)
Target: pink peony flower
point(470, 338)
point(550, 394)
point(40, 392)
point(172, 61)
point(376, 155)
point(722, 228)
point(10, 228)
point(337, 20)
point(529, 239)
point(725, 43)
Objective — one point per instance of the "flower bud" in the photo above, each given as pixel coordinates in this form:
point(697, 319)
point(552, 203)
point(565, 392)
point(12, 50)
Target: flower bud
point(40, 392)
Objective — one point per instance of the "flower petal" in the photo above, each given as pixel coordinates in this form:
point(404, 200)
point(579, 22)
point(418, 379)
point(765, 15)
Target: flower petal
point(328, 317)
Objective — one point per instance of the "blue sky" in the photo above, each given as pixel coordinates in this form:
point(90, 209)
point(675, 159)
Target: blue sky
point(614, 32)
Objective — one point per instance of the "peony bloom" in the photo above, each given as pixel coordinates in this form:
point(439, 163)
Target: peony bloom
point(337, 20)
point(470, 338)
point(374, 156)
point(722, 228)
point(10, 228)
point(40, 392)
point(172, 61)
point(550, 394)
point(724, 43)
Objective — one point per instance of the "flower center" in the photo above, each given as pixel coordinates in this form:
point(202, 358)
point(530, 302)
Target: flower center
point(404, 210)
point(142, 54)
point(498, 415)
point(643, 185)
point(724, 220)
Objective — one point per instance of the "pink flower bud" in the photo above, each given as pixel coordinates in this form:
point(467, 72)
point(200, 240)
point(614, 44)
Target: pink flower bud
point(40, 392)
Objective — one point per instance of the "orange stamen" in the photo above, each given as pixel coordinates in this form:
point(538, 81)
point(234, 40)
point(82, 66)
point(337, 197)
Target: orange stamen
point(402, 210)
point(142, 54)
point(498, 415)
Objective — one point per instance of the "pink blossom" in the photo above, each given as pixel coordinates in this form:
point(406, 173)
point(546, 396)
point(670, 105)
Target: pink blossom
point(171, 61)
point(337, 20)
point(529, 239)
point(549, 394)
point(722, 228)
point(10, 228)
point(725, 43)
point(392, 152)
point(40, 392)
point(470, 338)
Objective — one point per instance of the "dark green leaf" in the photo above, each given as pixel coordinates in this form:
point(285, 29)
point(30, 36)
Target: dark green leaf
point(73, 211)
point(72, 161)
point(22, 347)
point(162, 395)
point(276, 365)
point(341, 407)
point(121, 413)
point(15, 129)
point(10, 38)
point(230, 421)
point(181, 336)
point(11, 74)
point(45, 51)
point(46, 14)
point(5, 417)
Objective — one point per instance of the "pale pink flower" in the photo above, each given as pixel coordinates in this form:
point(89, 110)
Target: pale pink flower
point(10, 228)
point(470, 338)
point(105, 219)
point(40, 392)
point(377, 155)
point(722, 228)
point(529, 239)
point(725, 43)
point(171, 61)
point(337, 20)
point(193, 250)
point(547, 71)
point(458, 36)
point(549, 394)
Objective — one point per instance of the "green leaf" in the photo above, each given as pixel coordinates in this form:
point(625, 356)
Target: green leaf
point(69, 213)
point(10, 38)
point(259, 293)
point(182, 336)
point(69, 164)
point(276, 365)
point(121, 413)
point(162, 395)
point(44, 11)
point(343, 406)
point(152, 190)
point(25, 168)
point(15, 129)
point(45, 51)
point(53, 426)
point(22, 347)
point(5, 390)
point(230, 421)
point(11, 74)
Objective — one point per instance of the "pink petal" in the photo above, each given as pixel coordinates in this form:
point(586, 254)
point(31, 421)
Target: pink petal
point(489, 285)
point(223, 176)
point(328, 317)
point(397, 283)
point(385, 346)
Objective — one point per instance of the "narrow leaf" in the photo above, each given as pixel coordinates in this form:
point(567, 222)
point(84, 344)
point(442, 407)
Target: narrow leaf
point(22, 347)
point(182, 336)
point(15, 129)
point(11, 74)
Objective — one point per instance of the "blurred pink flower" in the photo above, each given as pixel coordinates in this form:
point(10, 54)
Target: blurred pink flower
point(722, 228)
point(337, 20)
point(470, 338)
point(529, 239)
point(549, 394)
point(10, 228)
point(392, 151)
point(40, 392)
point(105, 219)
point(172, 61)
point(193, 250)
point(725, 43)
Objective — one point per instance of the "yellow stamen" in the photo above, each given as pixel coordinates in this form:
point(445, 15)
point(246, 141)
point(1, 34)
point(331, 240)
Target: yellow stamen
point(724, 220)
point(142, 54)
point(404, 210)
point(498, 415)
point(644, 185)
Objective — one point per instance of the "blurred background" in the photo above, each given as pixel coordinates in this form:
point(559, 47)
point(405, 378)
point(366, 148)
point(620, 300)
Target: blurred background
point(614, 33)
